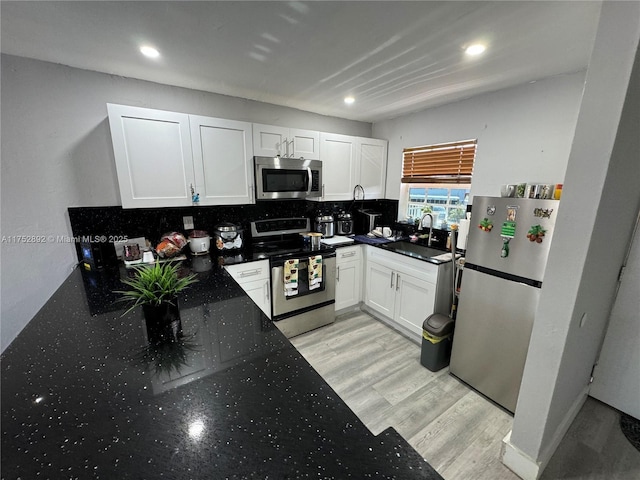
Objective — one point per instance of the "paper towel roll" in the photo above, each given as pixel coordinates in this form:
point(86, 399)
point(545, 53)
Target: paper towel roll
point(463, 232)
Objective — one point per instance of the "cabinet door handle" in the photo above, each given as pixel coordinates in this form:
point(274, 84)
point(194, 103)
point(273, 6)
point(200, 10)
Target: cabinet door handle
point(397, 282)
point(266, 289)
point(337, 274)
point(348, 254)
point(250, 273)
point(286, 146)
point(392, 276)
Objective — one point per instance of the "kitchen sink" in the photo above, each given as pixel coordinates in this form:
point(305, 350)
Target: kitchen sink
point(413, 249)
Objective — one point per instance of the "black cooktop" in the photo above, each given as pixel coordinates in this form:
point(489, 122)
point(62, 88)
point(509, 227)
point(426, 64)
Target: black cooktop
point(282, 238)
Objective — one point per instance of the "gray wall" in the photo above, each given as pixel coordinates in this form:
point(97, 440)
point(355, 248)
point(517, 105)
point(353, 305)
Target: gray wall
point(524, 133)
point(560, 130)
point(593, 230)
point(57, 153)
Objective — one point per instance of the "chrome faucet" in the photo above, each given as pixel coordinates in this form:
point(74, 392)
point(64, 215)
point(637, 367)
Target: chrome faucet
point(421, 226)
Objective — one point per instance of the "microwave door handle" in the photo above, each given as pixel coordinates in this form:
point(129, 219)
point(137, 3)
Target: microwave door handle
point(310, 180)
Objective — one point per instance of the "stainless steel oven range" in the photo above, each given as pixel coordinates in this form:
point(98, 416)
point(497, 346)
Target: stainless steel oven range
point(302, 278)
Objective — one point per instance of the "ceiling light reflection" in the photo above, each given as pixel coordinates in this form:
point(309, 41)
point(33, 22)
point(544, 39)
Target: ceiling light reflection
point(196, 429)
point(475, 49)
point(150, 52)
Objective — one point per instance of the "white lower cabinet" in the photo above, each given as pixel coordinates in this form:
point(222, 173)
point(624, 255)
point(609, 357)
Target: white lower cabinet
point(348, 276)
point(254, 279)
point(415, 300)
point(405, 291)
point(380, 291)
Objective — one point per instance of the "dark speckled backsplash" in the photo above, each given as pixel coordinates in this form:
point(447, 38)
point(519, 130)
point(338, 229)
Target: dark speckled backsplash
point(151, 223)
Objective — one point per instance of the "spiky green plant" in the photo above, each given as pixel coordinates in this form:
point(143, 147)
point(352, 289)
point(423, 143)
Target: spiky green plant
point(153, 285)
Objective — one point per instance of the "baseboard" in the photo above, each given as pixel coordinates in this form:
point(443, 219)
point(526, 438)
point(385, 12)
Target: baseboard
point(519, 462)
point(347, 310)
point(528, 468)
point(548, 451)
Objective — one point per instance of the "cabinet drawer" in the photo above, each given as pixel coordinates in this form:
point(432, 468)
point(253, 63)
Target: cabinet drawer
point(249, 272)
point(345, 254)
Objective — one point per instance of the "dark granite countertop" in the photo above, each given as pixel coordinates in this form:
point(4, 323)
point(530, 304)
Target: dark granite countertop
point(404, 246)
point(83, 397)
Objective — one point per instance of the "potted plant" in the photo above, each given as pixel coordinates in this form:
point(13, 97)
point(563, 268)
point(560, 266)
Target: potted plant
point(155, 288)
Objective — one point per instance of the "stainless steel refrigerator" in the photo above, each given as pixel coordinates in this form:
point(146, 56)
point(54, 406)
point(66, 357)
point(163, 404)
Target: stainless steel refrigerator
point(507, 250)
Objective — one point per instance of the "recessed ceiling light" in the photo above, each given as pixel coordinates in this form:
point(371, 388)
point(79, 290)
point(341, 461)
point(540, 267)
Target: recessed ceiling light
point(349, 100)
point(149, 52)
point(475, 49)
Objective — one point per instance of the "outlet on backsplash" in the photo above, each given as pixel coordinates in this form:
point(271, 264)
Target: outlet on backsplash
point(188, 223)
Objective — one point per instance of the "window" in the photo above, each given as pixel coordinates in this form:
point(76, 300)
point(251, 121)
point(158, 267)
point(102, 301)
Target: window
point(448, 205)
point(437, 179)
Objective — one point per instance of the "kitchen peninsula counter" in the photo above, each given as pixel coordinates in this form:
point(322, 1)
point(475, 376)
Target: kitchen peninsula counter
point(84, 397)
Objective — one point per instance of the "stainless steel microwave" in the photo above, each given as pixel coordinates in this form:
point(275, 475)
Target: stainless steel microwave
point(282, 178)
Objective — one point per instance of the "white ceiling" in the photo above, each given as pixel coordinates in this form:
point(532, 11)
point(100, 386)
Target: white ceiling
point(394, 57)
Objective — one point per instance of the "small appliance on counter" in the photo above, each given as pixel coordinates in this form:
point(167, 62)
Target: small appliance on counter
point(325, 225)
point(98, 255)
point(344, 223)
point(365, 221)
point(199, 242)
point(228, 236)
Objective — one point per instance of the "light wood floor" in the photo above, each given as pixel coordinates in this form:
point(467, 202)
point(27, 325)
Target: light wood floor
point(377, 372)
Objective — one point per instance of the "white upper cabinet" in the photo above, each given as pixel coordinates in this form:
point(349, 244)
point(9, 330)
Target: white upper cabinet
point(223, 160)
point(338, 155)
point(163, 158)
point(349, 161)
point(371, 166)
point(152, 150)
point(270, 141)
